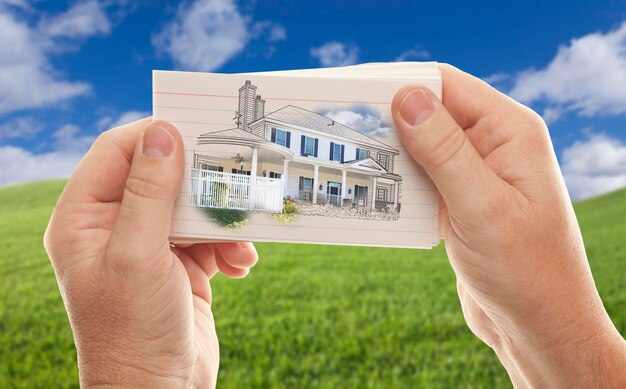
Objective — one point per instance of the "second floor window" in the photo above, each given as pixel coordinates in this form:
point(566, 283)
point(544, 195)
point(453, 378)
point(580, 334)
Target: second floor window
point(281, 137)
point(308, 146)
point(362, 153)
point(383, 160)
point(336, 152)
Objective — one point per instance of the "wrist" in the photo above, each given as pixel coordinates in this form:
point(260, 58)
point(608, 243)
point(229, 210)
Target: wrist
point(104, 372)
point(583, 354)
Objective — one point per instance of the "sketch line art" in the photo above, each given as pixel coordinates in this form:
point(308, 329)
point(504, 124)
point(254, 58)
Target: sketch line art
point(293, 159)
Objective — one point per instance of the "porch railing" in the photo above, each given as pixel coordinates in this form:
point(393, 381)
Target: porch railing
point(212, 189)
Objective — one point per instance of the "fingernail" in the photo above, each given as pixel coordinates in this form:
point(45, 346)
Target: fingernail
point(416, 107)
point(157, 142)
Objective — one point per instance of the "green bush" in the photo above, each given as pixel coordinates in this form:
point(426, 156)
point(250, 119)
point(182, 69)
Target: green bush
point(229, 218)
point(290, 208)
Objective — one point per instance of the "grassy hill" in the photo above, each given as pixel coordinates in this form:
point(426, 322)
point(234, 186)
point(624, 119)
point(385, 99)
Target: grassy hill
point(308, 316)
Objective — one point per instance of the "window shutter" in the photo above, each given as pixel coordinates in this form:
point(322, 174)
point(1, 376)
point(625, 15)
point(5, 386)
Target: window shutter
point(288, 139)
point(220, 168)
point(343, 149)
point(301, 183)
point(357, 153)
point(302, 141)
point(273, 135)
point(315, 151)
point(332, 148)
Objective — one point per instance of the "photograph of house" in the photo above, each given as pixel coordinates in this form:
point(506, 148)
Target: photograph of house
point(296, 154)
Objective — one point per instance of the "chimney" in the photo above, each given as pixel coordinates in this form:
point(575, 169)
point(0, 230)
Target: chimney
point(259, 107)
point(247, 100)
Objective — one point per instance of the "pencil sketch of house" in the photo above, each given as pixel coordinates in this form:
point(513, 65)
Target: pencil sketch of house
point(292, 153)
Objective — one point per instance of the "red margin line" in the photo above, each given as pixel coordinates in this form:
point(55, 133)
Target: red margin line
point(274, 98)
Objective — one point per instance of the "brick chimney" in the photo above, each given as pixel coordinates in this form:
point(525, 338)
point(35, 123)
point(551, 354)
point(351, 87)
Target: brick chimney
point(246, 111)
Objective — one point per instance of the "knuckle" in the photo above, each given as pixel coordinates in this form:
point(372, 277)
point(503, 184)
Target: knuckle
point(445, 149)
point(145, 188)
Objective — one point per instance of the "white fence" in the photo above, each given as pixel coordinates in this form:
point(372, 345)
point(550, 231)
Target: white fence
point(212, 189)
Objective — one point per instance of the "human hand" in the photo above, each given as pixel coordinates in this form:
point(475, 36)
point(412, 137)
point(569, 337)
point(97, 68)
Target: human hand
point(511, 234)
point(140, 310)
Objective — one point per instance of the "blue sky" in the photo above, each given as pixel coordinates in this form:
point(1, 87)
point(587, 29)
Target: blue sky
point(69, 70)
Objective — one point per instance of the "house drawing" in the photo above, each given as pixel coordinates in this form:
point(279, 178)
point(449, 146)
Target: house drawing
point(292, 153)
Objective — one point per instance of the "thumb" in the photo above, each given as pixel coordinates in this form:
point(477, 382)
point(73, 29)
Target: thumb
point(439, 144)
point(153, 184)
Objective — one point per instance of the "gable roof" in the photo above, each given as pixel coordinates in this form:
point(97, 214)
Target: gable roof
point(232, 133)
point(303, 118)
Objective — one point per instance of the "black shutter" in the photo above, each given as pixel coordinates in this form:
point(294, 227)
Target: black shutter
point(288, 139)
point(273, 135)
point(332, 146)
point(301, 183)
point(302, 140)
point(220, 168)
point(357, 153)
point(315, 151)
point(343, 149)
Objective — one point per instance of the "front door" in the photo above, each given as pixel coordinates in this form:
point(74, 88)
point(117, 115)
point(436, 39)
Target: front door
point(333, 190)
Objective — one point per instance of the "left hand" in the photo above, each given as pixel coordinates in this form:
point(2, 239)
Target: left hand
point(140, 310)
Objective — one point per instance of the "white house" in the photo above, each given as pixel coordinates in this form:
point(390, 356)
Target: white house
point(292, 152)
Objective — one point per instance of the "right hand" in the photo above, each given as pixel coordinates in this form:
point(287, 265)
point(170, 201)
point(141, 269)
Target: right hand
point(511, 233)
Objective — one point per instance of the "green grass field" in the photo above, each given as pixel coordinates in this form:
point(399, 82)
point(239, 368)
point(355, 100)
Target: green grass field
point(308, 316)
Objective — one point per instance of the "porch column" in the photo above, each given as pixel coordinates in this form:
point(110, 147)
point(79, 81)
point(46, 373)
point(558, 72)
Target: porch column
point(316, 183)
point(396, 190)
point(374, 184)
point(285, 176)
point(253, 168)
point(344, 186)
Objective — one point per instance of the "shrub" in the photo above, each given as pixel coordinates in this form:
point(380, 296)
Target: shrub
point(289, 207)
point(228, 218)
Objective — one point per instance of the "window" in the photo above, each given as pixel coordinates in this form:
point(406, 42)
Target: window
point(244, 172)
point(362, 153)
point(308, 146)
point(360, 195)
point(212, 168)
point(381, 194)
point(383, 160)
point(336, 152)
point(281, 137)
point(275, 175)
point(306, 184)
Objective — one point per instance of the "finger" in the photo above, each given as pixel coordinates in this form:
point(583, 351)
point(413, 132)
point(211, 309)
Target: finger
point(204, 255)
point(241, 255)
point(436, 141)
point(96, 181)
point(228, 270)
point(143, 223)
point(198, 279)
point(98, 178)
point(467, 98)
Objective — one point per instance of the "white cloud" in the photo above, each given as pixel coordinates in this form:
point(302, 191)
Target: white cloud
point(496, 78)
point(594, 166)
point(366, 123)
point(277, 33)
point(108, 122)
point(82, 20)
point(205, 34)
point(19, 165)
point(67, 139)
point(412, 54)
point(26, 77)
point(20, 128)
point(336, 54)
point(587, 76)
